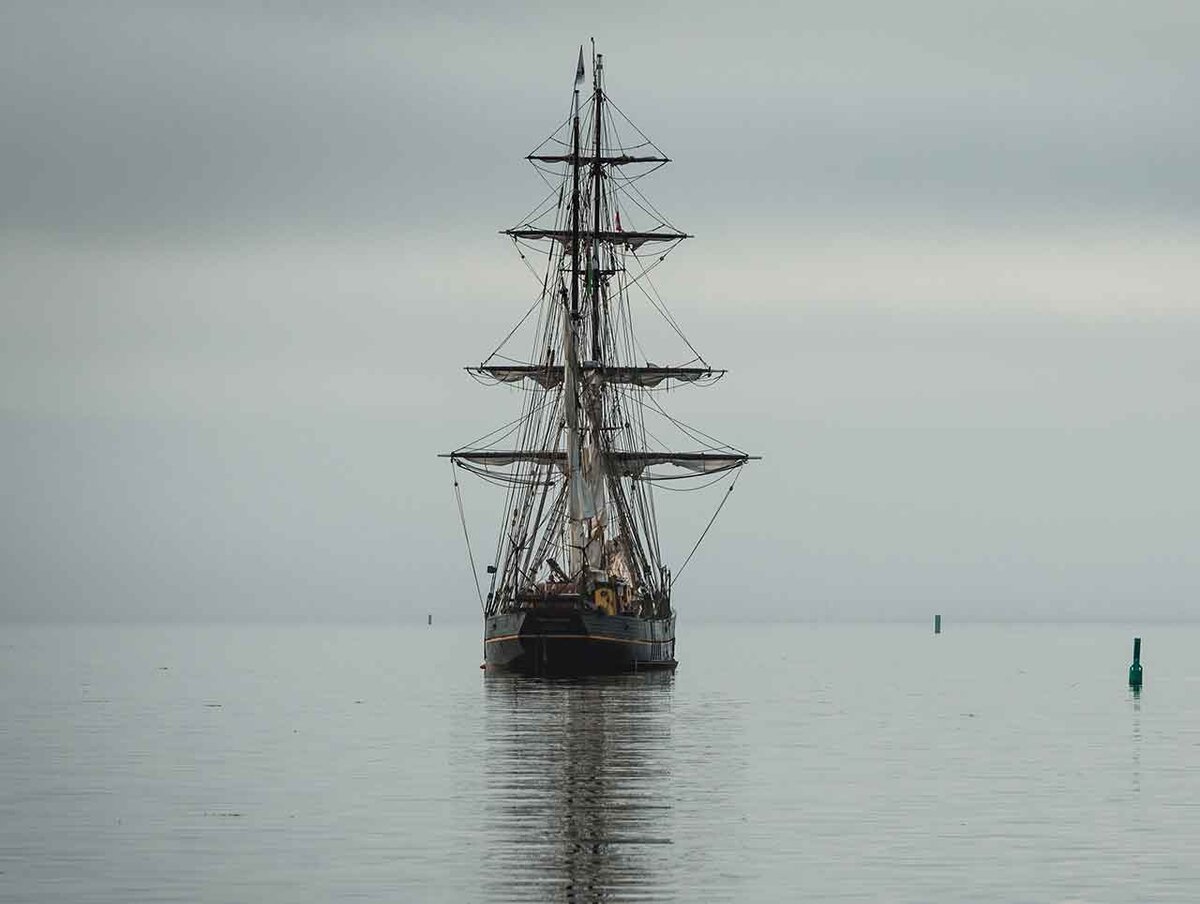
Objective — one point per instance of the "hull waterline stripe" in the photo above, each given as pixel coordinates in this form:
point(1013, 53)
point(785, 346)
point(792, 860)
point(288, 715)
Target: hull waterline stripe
point(573, 637)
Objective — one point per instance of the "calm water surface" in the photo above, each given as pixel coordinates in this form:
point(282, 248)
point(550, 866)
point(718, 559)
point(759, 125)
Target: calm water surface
point(828, 763)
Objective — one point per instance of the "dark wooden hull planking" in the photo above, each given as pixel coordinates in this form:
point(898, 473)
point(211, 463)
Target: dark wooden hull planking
point(577, 642)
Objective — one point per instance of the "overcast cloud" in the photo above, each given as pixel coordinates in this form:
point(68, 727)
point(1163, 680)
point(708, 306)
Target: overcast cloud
point(949, 251)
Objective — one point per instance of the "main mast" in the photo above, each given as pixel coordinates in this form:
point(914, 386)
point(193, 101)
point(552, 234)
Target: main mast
point(575, 526)
point(594, 258)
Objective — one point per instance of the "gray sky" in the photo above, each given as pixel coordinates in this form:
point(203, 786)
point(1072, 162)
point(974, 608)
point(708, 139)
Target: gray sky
point(949, 251)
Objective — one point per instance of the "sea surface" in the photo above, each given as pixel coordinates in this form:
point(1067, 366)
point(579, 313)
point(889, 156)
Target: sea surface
point(781, 762)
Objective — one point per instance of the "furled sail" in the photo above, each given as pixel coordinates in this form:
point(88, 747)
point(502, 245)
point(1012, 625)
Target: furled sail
point(624, 464)
point(549, 377)
point(632, 240)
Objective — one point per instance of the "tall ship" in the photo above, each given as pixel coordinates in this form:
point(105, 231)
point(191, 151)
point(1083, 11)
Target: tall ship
point(579, 583)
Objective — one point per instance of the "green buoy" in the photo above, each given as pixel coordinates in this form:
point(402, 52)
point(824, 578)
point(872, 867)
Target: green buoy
point(1135, 670)
point(937, 624)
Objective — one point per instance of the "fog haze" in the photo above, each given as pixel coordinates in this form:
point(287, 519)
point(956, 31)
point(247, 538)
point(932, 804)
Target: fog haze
point(949, 252)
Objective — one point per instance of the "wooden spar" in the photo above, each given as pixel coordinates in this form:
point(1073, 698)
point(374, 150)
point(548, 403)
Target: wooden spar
point(606, 160)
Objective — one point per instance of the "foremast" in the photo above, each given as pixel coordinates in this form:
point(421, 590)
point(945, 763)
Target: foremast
point(576, 529)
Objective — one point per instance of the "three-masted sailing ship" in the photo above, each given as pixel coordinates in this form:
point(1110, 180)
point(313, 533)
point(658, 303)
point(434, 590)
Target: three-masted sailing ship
point(579, 584)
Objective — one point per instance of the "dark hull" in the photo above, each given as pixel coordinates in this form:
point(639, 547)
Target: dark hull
point(577, 642)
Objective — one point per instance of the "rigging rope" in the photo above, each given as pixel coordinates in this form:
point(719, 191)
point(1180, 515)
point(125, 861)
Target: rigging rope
point(724, 499)
point(466, 536)
point(536, 304)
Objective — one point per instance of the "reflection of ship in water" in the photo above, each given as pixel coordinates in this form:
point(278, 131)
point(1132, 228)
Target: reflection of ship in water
point(578, 801)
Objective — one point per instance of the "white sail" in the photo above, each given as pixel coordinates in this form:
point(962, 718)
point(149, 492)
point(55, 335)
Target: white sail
point(578, 503)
